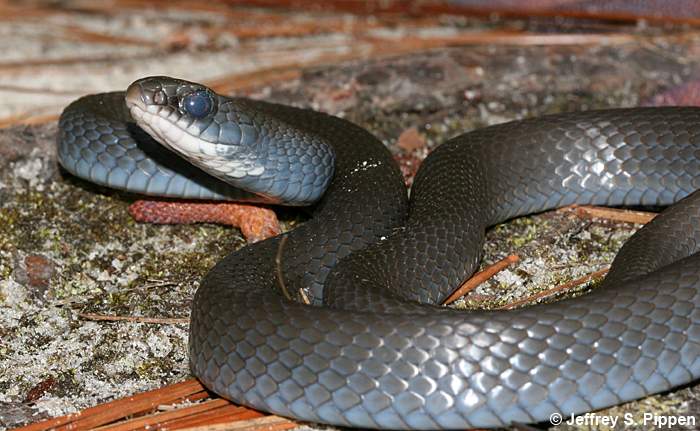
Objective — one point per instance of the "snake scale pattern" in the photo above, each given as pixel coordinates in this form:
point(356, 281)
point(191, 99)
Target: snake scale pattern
point(377, 354)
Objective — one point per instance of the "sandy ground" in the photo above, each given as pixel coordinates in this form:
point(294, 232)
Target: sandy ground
point(68, 248)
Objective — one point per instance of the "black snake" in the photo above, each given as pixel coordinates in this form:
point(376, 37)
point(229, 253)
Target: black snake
point(376, 355)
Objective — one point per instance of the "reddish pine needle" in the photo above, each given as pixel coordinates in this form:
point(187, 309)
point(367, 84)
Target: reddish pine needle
point(481, 277)
point(561, 288)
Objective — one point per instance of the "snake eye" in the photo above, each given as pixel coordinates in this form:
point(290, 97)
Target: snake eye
point(198, 104)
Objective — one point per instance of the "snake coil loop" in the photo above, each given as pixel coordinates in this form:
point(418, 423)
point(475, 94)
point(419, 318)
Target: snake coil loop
point(373, 357)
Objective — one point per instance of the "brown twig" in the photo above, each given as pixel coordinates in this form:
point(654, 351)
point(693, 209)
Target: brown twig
point(481, 277)
point(28, 118)
point(613, 10)
point(144, 411)
point(160, 418)
point(81, 34)
point(267, 423)
point(39, 90)
point(29, 65)
point(136, 319)
point(244, 81)
point(615, 214)
point(155, 284)
point(304, 297)
point(109, 412)
point(507, 37)
point(225, 414)
point(556, 289)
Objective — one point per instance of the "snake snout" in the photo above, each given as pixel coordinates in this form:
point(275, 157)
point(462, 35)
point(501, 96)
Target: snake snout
point(145, 95)
point(134, 95)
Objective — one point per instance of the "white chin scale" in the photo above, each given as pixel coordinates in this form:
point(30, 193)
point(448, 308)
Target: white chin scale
point(162, 124)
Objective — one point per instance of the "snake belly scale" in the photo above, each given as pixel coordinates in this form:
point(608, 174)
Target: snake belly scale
point(376, 354)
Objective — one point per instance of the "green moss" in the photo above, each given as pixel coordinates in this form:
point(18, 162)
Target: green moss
point(152, 368)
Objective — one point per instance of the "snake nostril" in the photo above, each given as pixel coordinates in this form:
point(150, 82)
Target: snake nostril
point(137, 94)
point(159, 98)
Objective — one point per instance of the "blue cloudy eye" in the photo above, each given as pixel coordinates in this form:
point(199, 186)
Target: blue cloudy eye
point(197, 104)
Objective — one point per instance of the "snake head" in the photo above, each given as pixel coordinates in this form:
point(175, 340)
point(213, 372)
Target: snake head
point(191, 100)
point(244, 143)
point(183, 116)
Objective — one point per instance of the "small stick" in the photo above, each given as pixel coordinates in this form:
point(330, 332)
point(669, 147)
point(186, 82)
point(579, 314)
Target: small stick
point(481, 277)
point(304, 297)
point(278, 268)
point(615, 214)
point(153, 284)
point(161, 417)
point(27, 118)
point(268, 423)
point(35, 90)
point(137, 319)
point(102, 414)
point(556, 289)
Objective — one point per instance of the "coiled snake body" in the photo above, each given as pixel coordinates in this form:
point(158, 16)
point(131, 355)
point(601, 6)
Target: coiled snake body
point(376, 355)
